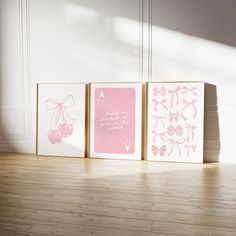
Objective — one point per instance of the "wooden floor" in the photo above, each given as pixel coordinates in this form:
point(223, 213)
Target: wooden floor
point(65, 196)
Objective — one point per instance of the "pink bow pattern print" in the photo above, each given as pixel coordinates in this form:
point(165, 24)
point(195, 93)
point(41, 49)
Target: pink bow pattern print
point(175, 111)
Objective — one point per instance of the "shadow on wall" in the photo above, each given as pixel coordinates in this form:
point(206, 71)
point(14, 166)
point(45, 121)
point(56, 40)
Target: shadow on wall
point(5, 140)
point(102, 37)
point(211, 125)
point(213, 20)
point(208, 19)
point(196, 40)
point(90, 40)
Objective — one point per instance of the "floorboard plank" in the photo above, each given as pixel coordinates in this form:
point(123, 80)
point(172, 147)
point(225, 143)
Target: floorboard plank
point(75, 196)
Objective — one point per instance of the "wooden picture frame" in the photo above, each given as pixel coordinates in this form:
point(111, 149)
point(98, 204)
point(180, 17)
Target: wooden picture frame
point(115, 125)
point(61, 119)
point(175, 121)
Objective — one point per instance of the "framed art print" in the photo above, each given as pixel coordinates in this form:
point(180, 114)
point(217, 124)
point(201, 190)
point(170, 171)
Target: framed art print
point(175, 116)
point(61, 119)
point(115, 120)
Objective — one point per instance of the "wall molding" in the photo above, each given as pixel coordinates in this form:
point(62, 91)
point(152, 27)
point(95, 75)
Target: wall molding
point(23, 147)
point(146, 19)
point(149, 40)
point(17, 109)
point(19, 115)
point(140, 3)
point(21, 39)
point(20, 57)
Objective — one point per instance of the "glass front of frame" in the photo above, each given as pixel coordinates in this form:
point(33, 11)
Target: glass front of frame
point(61, 120)
point(115, 120)
point(175, 114)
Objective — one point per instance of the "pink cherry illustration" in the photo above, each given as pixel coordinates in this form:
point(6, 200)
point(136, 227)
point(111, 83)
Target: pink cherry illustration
point(54, 136)
point(66, 129)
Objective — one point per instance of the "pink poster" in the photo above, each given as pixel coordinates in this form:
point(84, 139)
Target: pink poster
point(175, 121)
point(114, 120)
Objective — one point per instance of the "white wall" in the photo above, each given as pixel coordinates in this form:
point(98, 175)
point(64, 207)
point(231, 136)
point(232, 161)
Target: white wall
point(110, 40)
point(196, 40)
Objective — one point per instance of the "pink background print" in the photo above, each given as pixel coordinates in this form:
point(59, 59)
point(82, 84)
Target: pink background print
point(114, 120)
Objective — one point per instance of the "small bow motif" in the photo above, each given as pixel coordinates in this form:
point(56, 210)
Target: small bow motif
point(173, 116)
point(175, 143)
point(190, 130)
point(189, 147)
point(59, 110)
point(192, 90)
point(61, 124)
point(174, 93)
point(156, 91)
point(156, 150)
point(171, 130)
point(189, 104)
point(161, 103)
point(159, 119)
point(155, 135)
